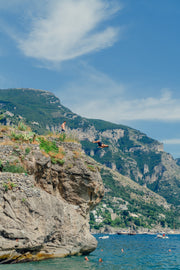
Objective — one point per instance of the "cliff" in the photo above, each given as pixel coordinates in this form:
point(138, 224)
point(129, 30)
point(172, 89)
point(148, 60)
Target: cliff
point(47, 188)
point(130, 152)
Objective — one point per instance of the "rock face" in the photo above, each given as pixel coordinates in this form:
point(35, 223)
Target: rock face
point(44, 213)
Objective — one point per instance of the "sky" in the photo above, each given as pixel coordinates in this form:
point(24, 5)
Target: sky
point(116, 60)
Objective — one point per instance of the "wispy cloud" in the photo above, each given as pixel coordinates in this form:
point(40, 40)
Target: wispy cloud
point(68, 29)
point(171, 141)
point(95, 95)
point(163, 108)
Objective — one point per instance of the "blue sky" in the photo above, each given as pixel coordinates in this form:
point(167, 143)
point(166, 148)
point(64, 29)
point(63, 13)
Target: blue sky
point(113, 60)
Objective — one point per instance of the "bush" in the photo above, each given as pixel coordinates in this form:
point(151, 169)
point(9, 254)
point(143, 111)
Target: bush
point(16, 136)
point(13, 168)
point(22, 137)
point(117, 222)
point(48, 146)
point(91, 168)
point(27, 150)
point(8, 185)
point(22, 126)
point(59, 161)
point(62, 137)
point(56, 153)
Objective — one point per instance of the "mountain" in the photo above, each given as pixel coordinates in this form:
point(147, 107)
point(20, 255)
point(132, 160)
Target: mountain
point(127, 204)
point(40, 109)
point(131, 153)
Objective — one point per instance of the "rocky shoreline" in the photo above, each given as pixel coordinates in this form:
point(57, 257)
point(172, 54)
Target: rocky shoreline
point(126, 231)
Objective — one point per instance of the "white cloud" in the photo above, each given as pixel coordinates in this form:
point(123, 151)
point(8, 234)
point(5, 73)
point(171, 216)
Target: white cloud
point(69, 29)
point(122, 109)
point(171, 141)
point(95, 95)
point(17, 16)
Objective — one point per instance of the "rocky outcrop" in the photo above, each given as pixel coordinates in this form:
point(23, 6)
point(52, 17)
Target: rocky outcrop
point(44, 212)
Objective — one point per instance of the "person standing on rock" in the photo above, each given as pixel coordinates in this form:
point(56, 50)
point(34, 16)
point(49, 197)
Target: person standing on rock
point(63, 128)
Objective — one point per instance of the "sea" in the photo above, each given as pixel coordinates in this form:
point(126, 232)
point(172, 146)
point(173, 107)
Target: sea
point(118, 252)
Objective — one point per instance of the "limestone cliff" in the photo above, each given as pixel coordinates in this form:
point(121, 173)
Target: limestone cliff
point(44, 211)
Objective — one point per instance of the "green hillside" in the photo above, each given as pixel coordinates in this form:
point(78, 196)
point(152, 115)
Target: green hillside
point(127, 204)
point(34, 106)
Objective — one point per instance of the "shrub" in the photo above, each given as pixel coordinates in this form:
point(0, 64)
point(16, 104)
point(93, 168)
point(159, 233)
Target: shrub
point(13, 168)
point(62, 137)
point(27, 150)
point(116, 222)
point(8, 185)
point(91, 168)
point(5, 186)
point(16, 136)
point(48, 146)
point(23, 200)
point(59, 161)
point(23, 127)
point(22, 137)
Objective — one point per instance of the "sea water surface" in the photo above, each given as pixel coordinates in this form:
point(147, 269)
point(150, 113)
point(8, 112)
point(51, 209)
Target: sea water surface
point(140, 252)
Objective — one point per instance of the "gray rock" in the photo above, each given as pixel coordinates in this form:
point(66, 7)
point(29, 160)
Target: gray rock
point(45, 214)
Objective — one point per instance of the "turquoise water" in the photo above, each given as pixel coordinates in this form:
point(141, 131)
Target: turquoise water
point(141, 252)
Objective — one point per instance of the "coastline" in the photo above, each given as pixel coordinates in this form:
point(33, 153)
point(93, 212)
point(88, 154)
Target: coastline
point(122, 231)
